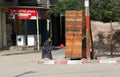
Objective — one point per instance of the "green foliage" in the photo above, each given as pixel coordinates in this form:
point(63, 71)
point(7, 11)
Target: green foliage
point(105, 10)
point(100, 10)
point(64, 5)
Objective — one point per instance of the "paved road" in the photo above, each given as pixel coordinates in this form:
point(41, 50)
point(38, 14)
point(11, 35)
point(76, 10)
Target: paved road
point(25, 65)
point(57, 53)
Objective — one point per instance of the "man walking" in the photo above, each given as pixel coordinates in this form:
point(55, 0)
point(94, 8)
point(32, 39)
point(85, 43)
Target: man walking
point(47, 48)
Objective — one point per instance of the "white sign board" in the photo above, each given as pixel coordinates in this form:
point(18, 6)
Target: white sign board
point(31, 40)
point(86, 3)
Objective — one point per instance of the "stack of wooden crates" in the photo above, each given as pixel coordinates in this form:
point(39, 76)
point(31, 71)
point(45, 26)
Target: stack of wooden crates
point(74, 29)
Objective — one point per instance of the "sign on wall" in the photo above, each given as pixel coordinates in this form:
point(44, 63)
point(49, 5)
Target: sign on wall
point(22, 13)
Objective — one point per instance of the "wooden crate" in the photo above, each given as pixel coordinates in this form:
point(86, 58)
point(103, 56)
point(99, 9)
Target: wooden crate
point(74, 27)
point(69, 28)
point(76, 53)
point(70, 22)
point(69, 33)
point(68, 52)
point(69, 37)
point(73, 53)
point(77, 33)
point(77, 39)
point(79, 27)
point(77, 45)
point(69, 45)
point(74, 14)
point(79, 22)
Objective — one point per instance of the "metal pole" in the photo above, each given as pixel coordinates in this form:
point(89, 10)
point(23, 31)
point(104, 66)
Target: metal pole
point(87, 18)
point(111, 32)
point(60, 28)
point(38, 38)
point(50, 27)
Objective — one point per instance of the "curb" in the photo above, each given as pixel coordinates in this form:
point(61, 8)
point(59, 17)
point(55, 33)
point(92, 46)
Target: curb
point(78, 61)
point(9, 53)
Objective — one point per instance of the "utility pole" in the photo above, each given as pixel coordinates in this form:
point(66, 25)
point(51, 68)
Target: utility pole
point(38, 34)
point(87, 21)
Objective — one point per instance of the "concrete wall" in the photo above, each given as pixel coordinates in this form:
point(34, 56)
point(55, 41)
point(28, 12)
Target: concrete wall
point(0, 31)
point(103, 27)
point(102, 37)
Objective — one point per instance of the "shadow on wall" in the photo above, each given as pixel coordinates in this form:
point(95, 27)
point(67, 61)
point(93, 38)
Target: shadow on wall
point(103, 43)
point(106, 37)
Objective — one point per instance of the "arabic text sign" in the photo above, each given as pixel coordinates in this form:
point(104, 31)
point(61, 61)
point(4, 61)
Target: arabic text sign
point(23, 13)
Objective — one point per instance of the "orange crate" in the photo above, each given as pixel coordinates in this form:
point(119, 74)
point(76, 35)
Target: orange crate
point(68, 42)
point(74, 14)
point(77, 28)
point(78, 23)
point(69, 33)
point(76, 55)
point(68, 52)
point(69, 28)
point(77, 33)
point(77, 47)
point(77, 38)
point(77, 50)
point(69, 37)
point(69, 46)
point(70, 22)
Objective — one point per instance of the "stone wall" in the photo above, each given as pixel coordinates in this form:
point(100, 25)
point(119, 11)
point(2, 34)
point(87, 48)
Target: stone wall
point(101, 33)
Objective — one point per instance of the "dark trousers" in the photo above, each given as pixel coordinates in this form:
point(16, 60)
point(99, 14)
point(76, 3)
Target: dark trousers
point(47, 54)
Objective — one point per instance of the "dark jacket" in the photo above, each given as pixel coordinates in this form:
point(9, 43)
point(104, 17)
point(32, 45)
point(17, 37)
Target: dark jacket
point(46, 51)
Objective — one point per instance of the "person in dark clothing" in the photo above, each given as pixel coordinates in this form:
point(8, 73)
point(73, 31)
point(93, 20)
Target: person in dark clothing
point(47, 48)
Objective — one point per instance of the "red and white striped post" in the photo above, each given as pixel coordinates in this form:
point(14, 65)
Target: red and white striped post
point(87, 21)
